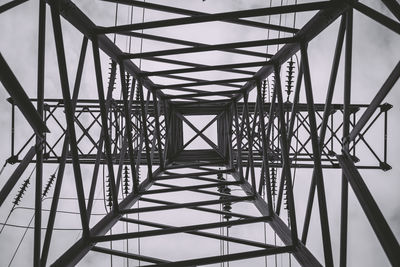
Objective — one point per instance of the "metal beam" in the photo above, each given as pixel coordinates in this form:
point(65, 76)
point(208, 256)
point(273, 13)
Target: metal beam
point(324, 123)
point(192, 64)
point(190, 43)
point(203, 234)
point(128, 255)
point(204, 209)
point(323, 212)
point(375, 217)
point(218, 16)
point(309, 31)
point(204, 94)
point(182, 229)
point(205, 138)
point(201, 131)
point(250, 138)
point(394, 7)
point(144, 128)
point(264, 140)
point(303, 256)
point(104, 123)
point(80, 248)
point(187, 205)
point(11, 4)
point(187, 188)
point(228, 257)
point(63, 159)
point(39, 144)
point(81, 22)
point(202, 83)
point(20, 98)
point(99, 154)
point(285, 157)
point(128, 125)
point(69, 119)
point(182, 175)
point(208, 48)
point(378, 17)
point(373, 106)
point(206, 68)
point(346, 128)
point(157, 128)
point(181, 11)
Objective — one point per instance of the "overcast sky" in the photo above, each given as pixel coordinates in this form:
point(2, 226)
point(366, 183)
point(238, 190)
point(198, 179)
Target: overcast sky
point(374, 56)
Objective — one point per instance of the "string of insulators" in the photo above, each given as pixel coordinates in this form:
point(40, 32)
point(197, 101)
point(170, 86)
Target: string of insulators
point(263, 92)
point(128, 82)
point(285, 198)
point(220, 178)
point(138, 173)
point(109, 196)
point(109, 75)
point(273, 180)
point(137, 94)
point(126, 180)
point(21, 192)
point(290, 78)
point(272, 86)
point(227, 206)
point(48, 185)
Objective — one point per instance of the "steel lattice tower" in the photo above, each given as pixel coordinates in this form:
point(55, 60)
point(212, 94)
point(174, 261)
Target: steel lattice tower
point(133, 139)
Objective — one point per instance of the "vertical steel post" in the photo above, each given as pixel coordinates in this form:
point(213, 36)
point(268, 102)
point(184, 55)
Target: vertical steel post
point(69, 116)
point(228, 125)
point(375, 217)
point(346, 131)
point(145, 132)
point(238, 141)
point(158, 130)
point(249, 142)
point(324, 123)
point(265, 169)
point(285, 156)
point(323, 213)
point(63, 159)
point(270, 125)
point(293, 117)
point(128, 125)
point(106, 134)
point(39, 145)
point(99, 154)
point(167, 130)
point(12, 128)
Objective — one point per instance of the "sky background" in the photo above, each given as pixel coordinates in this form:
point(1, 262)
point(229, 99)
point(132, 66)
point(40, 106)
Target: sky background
point(374, 56)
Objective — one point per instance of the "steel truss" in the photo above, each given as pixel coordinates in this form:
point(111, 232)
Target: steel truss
point(146, 127)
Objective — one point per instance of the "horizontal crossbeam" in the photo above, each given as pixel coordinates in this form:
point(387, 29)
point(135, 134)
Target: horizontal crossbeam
point(208, 48)
point(228, 257)
point(217, 17)
point(175, 230)
point(188, 188)
point(207, 68)
point(203, 234)
point(128, 255)
point(187, 205)
point(187, 12)
point(215, 82)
